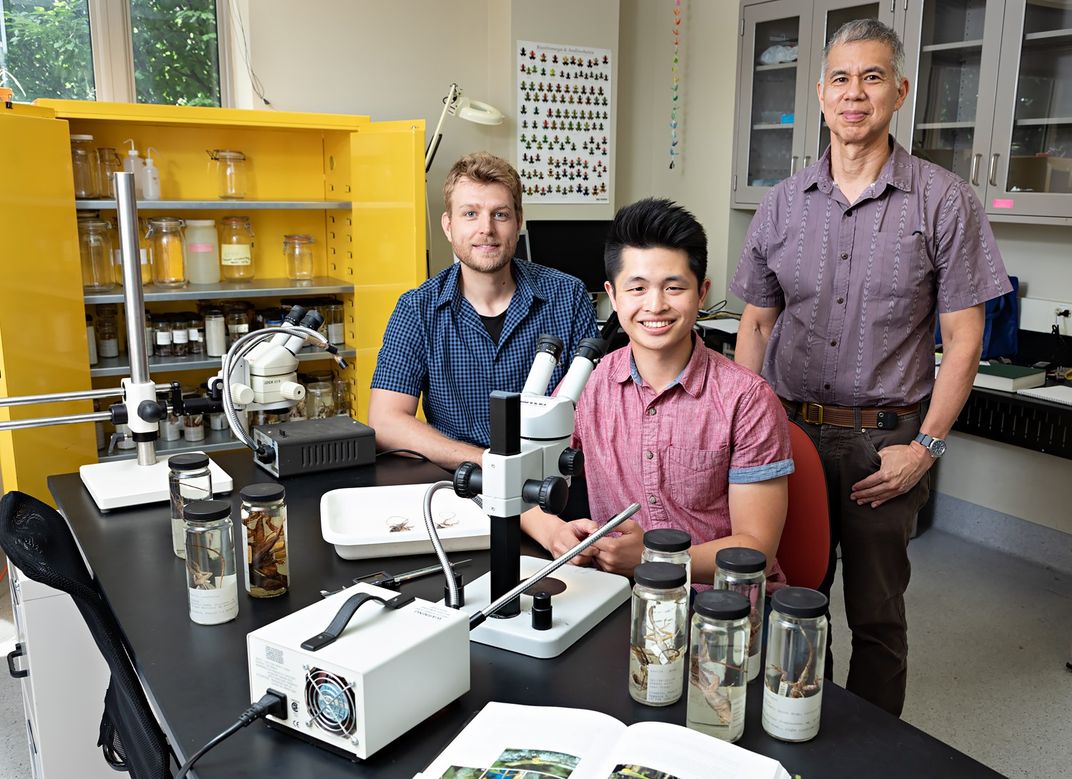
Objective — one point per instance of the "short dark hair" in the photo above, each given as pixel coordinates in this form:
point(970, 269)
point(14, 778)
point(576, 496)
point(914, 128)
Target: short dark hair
point(867, 30)
point(656, 223)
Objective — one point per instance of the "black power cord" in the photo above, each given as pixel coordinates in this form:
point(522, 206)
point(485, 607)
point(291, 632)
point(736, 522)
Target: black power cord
point(272, 702)
point(414, 453)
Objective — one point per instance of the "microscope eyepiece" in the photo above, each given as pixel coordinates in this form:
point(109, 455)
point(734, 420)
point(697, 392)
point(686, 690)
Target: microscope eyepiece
point(592, 348)
point(312, 320)
point(551, 344)
point(294, 316)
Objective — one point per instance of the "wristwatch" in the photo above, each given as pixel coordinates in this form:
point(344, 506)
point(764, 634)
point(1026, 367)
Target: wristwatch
point(936, 446)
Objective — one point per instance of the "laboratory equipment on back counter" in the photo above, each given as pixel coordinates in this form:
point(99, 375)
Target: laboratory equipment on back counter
point(527, 465)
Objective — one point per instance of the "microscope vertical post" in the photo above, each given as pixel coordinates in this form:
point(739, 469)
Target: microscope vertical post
point(505, 412)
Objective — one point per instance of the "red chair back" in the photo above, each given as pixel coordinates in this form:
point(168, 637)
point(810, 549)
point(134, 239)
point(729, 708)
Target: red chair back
point(804, 551)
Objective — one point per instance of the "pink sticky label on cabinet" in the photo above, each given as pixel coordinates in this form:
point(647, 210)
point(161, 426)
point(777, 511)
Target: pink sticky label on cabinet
point(1002, 202)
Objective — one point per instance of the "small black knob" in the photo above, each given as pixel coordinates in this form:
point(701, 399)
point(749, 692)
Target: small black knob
point(468, 480)
point(152, 411)
point(571, 462)
point(119, 413)
point(541, 610)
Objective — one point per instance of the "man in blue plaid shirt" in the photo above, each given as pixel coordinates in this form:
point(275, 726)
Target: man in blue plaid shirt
point(472, 328)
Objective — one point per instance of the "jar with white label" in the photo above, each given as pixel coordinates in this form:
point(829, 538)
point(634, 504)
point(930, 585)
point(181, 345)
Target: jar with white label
point(202, 251)
point(180, 336)
point(162, 335)
point(333, 313)
point(718, 664)
point(657, 636)
point(236, 248)
point(195, 331)
point(796, 652)
point(189, 479)
point(669, 545)
point(211, 581)
point(744, 570)
point(107, 337)
point(237, 325)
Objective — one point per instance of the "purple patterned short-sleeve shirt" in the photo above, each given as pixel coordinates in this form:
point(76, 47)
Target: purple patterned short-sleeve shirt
point(860, 285)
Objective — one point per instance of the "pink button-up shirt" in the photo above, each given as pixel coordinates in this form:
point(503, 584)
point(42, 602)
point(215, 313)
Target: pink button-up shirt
point(676, 452)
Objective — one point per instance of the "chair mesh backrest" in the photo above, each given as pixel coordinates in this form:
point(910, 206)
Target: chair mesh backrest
point(37, 540)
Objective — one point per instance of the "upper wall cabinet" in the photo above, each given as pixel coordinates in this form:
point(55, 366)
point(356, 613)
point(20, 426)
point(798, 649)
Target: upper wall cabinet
point(780, 128)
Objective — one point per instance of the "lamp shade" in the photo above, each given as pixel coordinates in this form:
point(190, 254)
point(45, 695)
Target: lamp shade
point(478, 112)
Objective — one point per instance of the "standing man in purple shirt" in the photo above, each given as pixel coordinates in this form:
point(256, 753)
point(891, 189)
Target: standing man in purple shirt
point(845, 267)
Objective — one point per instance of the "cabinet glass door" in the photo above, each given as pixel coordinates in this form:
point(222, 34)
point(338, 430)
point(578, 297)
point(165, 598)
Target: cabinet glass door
point(772, 100)
point(1030, 169)
point(829, 18)
point(957, 55)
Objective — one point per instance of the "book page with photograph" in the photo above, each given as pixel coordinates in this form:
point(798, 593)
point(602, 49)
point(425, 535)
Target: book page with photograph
point(657, 750)
point(507, 741)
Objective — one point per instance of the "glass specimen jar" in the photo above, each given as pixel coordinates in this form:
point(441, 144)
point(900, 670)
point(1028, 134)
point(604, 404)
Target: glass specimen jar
point(85, 164)
point(167, 246)
point(195, 329)
point(668, 545)
point(107, 337)
point(215, 332)
point(202, 251)
point(657, 635)
point(236, 249)
point(211, 581)
point(718, 664)
point(320, 399)
point(264, 540)
point(95, 248)
point(162, 329)
point(796, 651)
point(298, 257)
point(237, 325)
point(230, 173)
point(333, 313)
point(189, 479)
point(744, 570)
point(110, 164)
point(180, 335)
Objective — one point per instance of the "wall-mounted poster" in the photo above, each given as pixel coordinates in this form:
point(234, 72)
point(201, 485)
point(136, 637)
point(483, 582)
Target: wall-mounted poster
point(563, 123)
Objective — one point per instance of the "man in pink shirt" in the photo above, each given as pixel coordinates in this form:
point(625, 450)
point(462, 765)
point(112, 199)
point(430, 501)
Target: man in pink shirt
point(700, 442)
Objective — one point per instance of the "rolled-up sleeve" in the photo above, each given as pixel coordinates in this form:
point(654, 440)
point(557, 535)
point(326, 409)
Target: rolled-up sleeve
point(761, 449)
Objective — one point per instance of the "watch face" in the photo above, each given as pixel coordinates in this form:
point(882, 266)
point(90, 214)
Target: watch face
point(937, 447)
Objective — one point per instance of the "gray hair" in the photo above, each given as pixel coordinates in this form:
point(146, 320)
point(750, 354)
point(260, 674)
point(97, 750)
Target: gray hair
point(867, 30)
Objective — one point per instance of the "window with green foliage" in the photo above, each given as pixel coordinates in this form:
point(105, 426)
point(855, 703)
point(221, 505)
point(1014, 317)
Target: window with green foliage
point(45, 49)
point(176, 52)
point(151, 51)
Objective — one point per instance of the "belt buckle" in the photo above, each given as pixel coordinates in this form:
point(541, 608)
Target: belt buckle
point(805, 413)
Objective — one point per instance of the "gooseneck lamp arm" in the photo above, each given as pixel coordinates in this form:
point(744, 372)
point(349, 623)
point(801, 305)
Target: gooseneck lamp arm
point(437, 134)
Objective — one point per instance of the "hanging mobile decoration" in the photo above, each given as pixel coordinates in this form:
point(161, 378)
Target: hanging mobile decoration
point(675, 70)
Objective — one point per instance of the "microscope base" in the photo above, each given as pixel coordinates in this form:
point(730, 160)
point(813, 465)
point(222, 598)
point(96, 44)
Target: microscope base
point(590, 596)
point(122, 483)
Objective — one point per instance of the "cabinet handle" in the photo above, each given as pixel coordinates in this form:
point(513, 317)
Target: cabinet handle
point(12, 656)
point(976, 160)
point(993, 177)
point(792, 165)
point(807, 160)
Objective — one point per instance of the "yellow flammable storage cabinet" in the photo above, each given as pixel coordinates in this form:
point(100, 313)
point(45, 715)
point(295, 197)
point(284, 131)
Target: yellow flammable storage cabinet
point(356, 186)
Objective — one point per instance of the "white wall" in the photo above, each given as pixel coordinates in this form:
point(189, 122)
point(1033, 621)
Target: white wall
point(700, 180)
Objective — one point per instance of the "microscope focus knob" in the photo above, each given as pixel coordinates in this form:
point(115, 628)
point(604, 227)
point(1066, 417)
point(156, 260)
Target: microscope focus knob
point(550, 494)
point(468, 480)
point(152, 411)
point(291, 390)
point(571, 462)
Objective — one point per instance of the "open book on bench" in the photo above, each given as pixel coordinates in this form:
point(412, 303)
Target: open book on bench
point(507, 741)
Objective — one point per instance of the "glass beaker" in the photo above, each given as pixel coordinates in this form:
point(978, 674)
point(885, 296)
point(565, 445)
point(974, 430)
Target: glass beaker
point(230, 172)
point(109, 163)
point(167, 245)
point(298, 257)
point(85, 166)
point(95, 246)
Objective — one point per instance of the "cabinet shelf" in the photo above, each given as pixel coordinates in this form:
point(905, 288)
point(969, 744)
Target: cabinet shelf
point(256, 288)
point(1048, 36)
point(215, 441)
point(1047, 120)
point(952, 46)
point(219, 205)
point(774, 126)
point(776, 66)
point(944, 125)
point(120, 366)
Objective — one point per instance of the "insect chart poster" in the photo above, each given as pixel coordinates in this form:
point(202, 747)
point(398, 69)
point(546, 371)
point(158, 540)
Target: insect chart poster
point(563, 121)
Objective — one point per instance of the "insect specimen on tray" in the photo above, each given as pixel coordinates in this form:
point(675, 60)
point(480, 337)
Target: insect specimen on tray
point(398, 524)
point(447, 519)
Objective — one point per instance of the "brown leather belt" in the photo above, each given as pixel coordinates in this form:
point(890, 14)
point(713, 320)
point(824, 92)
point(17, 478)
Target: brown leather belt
point(842, 416)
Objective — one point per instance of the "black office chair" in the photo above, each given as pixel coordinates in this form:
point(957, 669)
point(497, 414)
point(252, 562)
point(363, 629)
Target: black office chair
point(38, 540)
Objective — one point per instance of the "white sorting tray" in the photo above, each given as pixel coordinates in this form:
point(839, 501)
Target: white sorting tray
point(357, 521)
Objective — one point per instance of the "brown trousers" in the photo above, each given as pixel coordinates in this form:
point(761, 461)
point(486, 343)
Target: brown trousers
point(874, 557)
